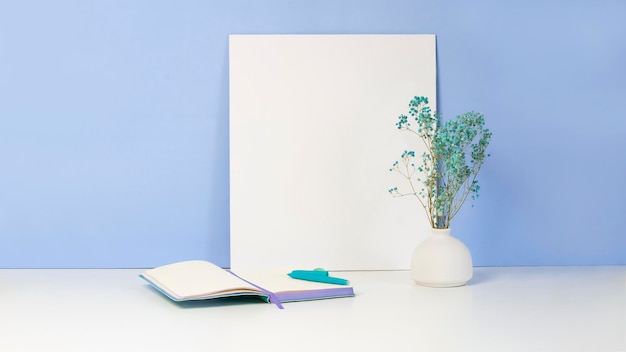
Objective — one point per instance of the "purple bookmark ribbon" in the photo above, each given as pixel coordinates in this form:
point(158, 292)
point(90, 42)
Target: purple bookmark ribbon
point(272, 297)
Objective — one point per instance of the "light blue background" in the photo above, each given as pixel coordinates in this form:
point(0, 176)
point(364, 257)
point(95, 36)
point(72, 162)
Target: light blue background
point(114, 123)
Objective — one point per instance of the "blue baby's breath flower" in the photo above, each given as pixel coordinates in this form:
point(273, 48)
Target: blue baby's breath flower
point(455, 154)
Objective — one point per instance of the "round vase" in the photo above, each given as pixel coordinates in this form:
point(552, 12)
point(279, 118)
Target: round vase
point(441, 261)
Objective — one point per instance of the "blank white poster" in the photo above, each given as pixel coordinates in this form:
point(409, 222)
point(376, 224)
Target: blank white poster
point(312, 139)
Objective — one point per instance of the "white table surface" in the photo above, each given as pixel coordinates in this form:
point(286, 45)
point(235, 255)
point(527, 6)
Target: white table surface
point(526, 309)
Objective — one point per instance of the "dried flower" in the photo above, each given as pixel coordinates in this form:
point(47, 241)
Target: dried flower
point(455, 151)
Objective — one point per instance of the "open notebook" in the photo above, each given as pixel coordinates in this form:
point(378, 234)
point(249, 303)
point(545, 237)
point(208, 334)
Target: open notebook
point(201, 280)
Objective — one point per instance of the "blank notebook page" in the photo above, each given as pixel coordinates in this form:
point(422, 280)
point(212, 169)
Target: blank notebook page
point(194, 278)
point(279, 281)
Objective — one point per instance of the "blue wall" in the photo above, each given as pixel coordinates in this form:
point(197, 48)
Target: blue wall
point(114, 123)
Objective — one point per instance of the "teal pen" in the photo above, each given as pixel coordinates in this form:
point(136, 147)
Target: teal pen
point(317, 276)
point(310, 272)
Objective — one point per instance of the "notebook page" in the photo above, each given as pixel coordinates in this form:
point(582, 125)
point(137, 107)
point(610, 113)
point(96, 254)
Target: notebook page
point(277, 281)
point(194, 278)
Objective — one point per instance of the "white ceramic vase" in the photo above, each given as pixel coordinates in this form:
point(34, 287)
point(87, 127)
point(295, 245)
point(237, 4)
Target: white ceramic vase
point(441, 261)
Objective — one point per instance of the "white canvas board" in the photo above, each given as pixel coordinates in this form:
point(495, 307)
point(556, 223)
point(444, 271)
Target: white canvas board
point(312, 138)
